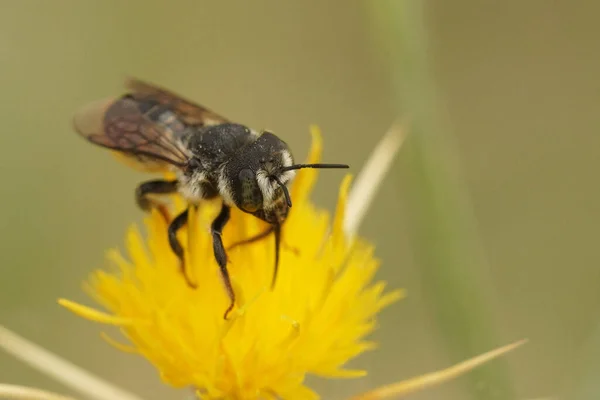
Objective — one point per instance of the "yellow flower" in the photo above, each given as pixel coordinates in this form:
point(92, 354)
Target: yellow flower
point(314, 321)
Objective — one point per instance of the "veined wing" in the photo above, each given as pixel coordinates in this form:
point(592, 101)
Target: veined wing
point(146, 125)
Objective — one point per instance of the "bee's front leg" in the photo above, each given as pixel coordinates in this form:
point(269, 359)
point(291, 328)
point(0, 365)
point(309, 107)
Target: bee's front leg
point(220, 254)
point(154, 187)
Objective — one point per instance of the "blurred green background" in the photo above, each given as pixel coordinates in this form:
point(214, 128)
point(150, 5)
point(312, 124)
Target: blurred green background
point(519, 90)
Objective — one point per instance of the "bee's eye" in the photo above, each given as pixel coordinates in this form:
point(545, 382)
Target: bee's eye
point(250, 196)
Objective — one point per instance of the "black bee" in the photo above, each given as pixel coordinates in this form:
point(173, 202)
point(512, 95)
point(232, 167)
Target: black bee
point(212, 157)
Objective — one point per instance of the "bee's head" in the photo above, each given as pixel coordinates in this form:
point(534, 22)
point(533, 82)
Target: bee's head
point(255, 179)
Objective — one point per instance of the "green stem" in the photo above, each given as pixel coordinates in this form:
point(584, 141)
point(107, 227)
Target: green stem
point(454, 272)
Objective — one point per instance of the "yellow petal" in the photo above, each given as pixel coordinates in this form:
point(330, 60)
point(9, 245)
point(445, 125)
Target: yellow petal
point(340, 211)
point(93, 315)
point(119, 346)
point(306, 178)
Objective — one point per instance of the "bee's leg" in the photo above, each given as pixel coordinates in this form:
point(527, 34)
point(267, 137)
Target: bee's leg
point(154, 187)
point(260, 236)
point(178, 223)
point(277, 230)
point(220, 254)
point(254, 238)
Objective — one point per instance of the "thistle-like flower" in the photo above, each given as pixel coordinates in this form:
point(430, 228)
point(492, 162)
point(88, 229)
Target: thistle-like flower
point(313, 321)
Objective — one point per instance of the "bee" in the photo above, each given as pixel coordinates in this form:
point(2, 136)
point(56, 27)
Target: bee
point(159, 131)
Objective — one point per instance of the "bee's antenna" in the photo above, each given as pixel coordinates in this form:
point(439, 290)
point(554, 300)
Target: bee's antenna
point(322, 166)
point(286, 193)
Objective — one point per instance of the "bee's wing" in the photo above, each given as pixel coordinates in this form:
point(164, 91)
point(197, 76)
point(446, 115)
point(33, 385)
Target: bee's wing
point(147, 126)
point(119, 124)
point(191, 113)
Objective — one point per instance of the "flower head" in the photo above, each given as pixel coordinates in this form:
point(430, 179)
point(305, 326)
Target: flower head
point(313, 321)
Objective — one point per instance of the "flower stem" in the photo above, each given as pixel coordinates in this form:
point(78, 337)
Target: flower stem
point(453, 269)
